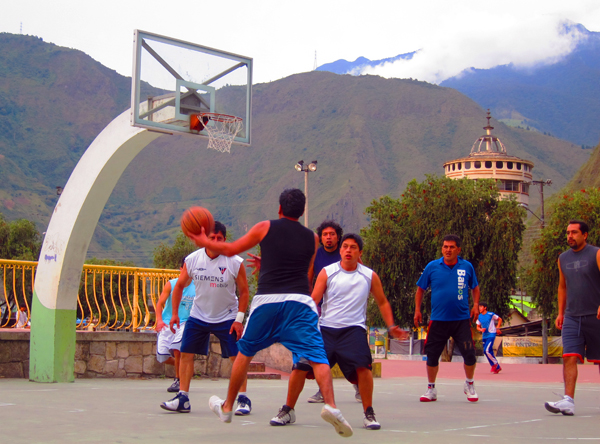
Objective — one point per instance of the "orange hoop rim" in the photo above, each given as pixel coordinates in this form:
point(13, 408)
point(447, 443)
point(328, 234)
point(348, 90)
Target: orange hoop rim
point(217, 117)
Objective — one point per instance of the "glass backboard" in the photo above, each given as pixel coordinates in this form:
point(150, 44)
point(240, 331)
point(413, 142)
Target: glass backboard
point(173, 79)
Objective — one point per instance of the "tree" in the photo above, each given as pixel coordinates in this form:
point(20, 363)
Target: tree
point(406, 234)
point(170, 257)
point(19, 240)
point(543, 274)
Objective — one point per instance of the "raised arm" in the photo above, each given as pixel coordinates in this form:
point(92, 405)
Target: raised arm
point(244, 243)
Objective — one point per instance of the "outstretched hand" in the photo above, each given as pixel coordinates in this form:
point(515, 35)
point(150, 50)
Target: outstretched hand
point(201, 240)
point(254, 262)
point(395, 331)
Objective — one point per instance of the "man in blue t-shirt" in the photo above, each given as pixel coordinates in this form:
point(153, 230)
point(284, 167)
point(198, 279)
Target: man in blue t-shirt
point(449, 279)
point(486, 324)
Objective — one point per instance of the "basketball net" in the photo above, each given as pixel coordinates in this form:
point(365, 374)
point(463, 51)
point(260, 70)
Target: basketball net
point(221, 129)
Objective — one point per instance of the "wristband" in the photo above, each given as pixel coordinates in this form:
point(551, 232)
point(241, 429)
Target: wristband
point(240, 317)
point(391, 326)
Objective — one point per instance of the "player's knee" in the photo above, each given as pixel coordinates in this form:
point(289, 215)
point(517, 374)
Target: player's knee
point(433, 361)
point(470, 358)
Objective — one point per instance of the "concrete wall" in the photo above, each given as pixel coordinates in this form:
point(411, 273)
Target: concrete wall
point(108, 355)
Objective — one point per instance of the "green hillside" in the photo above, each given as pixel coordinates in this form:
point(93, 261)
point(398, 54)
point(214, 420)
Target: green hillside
point(370, 135)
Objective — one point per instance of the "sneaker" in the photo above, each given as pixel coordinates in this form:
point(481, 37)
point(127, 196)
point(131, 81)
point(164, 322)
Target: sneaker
point(430, 395)
point(285, 416)
point(316, 398)
point(216, 405)
point(180, 403)
point(174, 388)
point(370, 422)
point(470, 392)
point(496, 369)
point(357, 394)
point(244, 406)
point(335, 418)
point(566, 406)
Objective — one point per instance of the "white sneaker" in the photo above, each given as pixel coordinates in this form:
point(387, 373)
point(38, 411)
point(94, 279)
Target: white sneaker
point(316, 398)
point(285, 416)
point(566, 406)
point(470, 392)
point(357, 394)
point(216, 405)
point(335, 418)
point(369, 421)
point(430, 395)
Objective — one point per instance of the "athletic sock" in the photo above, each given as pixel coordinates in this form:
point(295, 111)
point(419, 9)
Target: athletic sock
point(286, 408)
point(183, 393)
point(242, 394)
point(431, 385)
point(470, 381)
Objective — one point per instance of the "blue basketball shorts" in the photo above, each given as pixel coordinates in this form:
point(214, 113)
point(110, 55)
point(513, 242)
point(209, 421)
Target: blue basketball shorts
point(294, 324)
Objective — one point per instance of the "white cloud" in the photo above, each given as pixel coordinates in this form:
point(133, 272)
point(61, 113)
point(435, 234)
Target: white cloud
point(485, 44)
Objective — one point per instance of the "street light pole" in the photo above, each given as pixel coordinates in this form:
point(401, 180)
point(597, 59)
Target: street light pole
point(311, 167)
point(542, 183)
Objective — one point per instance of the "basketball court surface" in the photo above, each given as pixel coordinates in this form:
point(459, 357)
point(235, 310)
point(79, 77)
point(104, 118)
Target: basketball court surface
point(511, 409)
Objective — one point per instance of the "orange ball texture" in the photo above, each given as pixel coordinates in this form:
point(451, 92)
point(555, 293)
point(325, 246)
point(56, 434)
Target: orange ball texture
point(196, 217)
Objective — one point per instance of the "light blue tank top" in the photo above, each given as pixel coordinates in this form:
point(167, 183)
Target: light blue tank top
point(187, 300)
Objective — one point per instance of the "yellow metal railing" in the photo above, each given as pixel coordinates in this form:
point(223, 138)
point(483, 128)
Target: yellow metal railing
point(109, 297)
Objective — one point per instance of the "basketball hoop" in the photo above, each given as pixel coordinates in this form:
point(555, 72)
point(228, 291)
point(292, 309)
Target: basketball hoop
point(221, 129)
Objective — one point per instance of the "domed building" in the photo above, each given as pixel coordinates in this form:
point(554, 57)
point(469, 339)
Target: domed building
point(489, 160)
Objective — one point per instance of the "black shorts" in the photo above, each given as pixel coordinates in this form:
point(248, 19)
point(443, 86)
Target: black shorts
point(347, 347)
point(438, 334)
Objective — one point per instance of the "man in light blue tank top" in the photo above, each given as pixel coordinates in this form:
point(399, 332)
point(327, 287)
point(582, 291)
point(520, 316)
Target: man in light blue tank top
point(169, 343)
point(578, 310)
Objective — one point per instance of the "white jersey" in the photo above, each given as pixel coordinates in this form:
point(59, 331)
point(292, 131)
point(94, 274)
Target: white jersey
point(345, 300)
point(214, 280)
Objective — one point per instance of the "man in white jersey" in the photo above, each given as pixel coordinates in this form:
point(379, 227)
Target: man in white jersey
point(168, 342)
point(215, 310)
point(345, 287)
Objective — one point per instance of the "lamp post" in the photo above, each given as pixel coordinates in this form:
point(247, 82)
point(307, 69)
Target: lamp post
point(542, 183)
point(302, 168)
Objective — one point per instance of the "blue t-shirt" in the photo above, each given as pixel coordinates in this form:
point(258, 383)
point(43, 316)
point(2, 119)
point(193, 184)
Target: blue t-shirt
point(449, 289)
point(487, 321)
point(187, 300)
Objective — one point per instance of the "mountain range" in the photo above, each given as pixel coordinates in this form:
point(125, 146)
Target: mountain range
point(561, 98)
point(370, 135)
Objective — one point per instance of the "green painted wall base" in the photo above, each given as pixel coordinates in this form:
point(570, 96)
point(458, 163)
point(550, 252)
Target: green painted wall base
point(52, 345)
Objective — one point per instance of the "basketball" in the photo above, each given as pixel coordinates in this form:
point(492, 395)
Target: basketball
point(194, 218)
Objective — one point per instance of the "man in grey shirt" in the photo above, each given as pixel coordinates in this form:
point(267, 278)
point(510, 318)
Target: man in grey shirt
point(578, 310)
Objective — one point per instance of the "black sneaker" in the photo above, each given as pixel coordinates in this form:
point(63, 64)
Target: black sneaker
point(180, 403)
point(370, 422)
point(174, 387)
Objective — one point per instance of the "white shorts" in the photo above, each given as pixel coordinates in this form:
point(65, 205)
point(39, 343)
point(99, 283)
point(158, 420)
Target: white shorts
point(168, 342)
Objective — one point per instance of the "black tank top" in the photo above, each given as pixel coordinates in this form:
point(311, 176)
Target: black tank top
point(286, 252)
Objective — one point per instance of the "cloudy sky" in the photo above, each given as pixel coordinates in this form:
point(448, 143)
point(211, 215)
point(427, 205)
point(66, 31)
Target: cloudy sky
point(283, 36)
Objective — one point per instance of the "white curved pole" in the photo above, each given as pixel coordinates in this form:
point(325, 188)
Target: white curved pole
point(52, 345)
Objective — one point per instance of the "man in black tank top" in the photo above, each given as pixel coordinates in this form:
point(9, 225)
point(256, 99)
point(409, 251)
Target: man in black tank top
point(578, 310)
point(282, 309)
